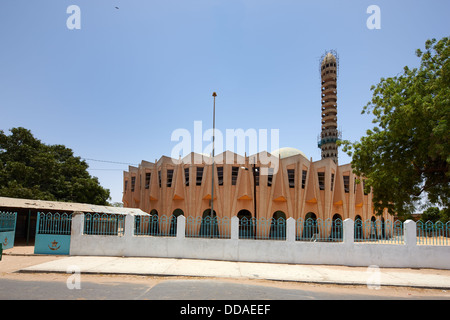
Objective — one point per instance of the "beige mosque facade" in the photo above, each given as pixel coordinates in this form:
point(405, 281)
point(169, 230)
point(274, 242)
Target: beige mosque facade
point(284, 183)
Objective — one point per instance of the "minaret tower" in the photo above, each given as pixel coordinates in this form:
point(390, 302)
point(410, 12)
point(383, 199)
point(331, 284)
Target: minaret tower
point(330, 134)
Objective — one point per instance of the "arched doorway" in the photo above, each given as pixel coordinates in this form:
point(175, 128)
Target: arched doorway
point(336, 233)
point(373, 234)
point(278, 226)
point(383, 229)
point(310, 229)
point(358, 234)
point(209, 227)
point(173, 222)
point(153, 225)
point(246, 226)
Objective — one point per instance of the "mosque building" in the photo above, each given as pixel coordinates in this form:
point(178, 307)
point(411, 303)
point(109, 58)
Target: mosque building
point(248, 186)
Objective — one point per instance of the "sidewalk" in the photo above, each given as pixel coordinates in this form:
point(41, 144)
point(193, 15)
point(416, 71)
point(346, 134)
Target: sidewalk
point(421, 278)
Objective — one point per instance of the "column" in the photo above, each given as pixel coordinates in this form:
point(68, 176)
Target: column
point(409, 233)
point(181, 227)
point(234, 228)
point(349, 231)
point(290, 229)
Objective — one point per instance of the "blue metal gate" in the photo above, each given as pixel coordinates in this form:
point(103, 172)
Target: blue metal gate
point(7, 229)
point(53, 233)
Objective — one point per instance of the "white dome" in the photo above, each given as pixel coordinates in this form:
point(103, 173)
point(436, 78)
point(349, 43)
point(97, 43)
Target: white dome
point(287, 152)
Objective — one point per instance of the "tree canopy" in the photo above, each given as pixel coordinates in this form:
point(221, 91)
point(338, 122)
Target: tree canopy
point(31, 169)
point(406, 156)
point(433, 214)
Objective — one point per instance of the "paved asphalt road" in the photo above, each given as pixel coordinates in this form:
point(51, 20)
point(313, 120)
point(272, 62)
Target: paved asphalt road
point(209, 289)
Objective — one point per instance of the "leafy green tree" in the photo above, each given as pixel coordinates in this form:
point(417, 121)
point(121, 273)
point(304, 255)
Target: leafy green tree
point(432, 214)
point(31, 169)
point(406, 156)
point(117, 204)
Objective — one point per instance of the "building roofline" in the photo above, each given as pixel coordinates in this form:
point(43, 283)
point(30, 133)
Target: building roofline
point(18, 203)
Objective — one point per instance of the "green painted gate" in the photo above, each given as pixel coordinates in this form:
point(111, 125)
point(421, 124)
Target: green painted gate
point(53, 233)
point(7, 229)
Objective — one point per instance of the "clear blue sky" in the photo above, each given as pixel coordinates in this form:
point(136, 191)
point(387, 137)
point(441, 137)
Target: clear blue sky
point(117, 88)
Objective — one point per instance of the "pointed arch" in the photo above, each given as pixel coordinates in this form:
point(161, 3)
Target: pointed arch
point(153, 223)
point(209, 226)
point(358, 233)
point(383, 228)
point(373, 235)
point(336, 233)
point(310, 229)
point(246, 225)
point(173, 221)
point(278, 226)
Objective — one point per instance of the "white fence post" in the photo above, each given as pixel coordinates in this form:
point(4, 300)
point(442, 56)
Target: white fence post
point(76, 232)
point(234, 228)
point(349, 231)
point(290, 229)
point(181, 227)
point(129, 223)
point(410, 233)
point(77, 224)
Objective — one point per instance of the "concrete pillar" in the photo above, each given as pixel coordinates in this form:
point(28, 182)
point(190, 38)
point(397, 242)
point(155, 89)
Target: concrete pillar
point(76, 232)
point(77, 223)
point(290, 229)
point(410, 233)
point(349, 231)
point(234, 228)
point(181, 227)
point(129, 226)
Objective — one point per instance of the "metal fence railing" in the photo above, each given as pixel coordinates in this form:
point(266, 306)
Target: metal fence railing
point(318, 230)
point(154, 225)
point(54, 223)
point(430, 233)
point(376, 231)
point(379, 231)
point(247, 228)
point(7, 221)
point(208, 227)
point(262, 229)
point(104, 224)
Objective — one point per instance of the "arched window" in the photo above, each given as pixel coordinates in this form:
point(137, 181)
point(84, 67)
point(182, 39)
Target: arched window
point(383, 228)
point(209, 227)
point(359, 235)
point(278, 226)
point(153, 226)
point(173, 222)
point(336, 228)
point(246, 226)
point(310, 229)
point(373, 229)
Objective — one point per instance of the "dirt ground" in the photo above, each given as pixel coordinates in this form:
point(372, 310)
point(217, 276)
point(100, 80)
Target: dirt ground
point(11, 263)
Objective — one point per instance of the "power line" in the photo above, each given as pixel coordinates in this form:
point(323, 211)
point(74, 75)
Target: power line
point(107, 169)
point(108, 161)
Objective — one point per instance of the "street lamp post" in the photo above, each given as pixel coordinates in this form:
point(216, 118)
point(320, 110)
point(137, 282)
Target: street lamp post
point(212, 175)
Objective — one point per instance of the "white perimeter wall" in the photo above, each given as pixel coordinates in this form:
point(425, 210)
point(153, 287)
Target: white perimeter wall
point(348, 253)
